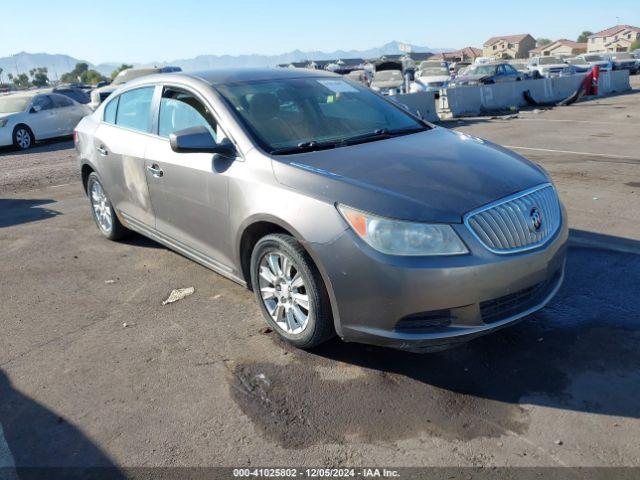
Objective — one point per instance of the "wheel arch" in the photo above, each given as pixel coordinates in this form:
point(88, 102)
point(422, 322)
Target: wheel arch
point(256, 227)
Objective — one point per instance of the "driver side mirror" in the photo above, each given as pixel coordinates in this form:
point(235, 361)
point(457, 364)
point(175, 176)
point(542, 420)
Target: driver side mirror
point(199, 140)
point(35, 109)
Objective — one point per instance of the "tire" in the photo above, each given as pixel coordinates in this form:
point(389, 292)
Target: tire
point(102, 211)
point(318, 326)
point(22, 137)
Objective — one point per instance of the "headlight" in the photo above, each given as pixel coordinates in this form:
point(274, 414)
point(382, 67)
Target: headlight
point(3, 122)
point(397, 237)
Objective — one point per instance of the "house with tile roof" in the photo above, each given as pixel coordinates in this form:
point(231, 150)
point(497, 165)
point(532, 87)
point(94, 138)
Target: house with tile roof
point(613, 39)
point(559, 48)
point(509, 46)
point(466, 54)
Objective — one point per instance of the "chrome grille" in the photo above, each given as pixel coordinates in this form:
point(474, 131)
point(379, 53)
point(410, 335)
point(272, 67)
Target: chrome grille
point(508, 225)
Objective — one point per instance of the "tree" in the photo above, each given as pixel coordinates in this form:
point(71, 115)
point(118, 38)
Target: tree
point(541, 42)
point(122, 67)
point(635, 46)
point(39, 76)
point(81, 73)
point(1, 70)
point(584, 36)
point(20, 81)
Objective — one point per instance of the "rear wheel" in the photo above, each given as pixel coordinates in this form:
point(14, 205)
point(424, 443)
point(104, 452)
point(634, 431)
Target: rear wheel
point(22, 137)
point(102, 210)
point(290, 291)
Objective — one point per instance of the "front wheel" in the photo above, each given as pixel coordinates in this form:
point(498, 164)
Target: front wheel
point(22, 137)
point(290, 291)
point(102, 210)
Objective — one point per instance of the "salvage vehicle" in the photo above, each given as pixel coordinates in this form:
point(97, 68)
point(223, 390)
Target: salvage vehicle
point(548, 66)
point(343, 212)
point(31, 116)
point(431, 76)
point(623, 61)
point(77, 94)
point(578, 65)
point(99, 95)
point(486, 74)
point(594, 59)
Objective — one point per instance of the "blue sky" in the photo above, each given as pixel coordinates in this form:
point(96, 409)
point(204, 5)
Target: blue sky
point(159, 30)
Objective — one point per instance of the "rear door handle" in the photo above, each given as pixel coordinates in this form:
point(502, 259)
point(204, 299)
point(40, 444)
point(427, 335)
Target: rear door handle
point(155, 170)
point(102, 151)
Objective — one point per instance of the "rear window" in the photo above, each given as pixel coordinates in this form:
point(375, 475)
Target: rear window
point(134, 109)
point(110, 111)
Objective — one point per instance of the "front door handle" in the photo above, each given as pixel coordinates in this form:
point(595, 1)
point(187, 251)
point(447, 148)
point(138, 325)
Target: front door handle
point(102, 151)
point(155, 170)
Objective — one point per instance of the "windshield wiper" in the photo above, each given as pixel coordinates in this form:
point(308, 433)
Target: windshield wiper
point(379, 134)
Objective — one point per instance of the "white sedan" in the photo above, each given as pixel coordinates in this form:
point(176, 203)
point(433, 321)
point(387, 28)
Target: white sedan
point(31, 116)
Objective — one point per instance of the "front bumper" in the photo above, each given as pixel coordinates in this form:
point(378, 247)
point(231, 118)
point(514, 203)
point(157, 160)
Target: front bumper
point(426, 303)
point(6, 136)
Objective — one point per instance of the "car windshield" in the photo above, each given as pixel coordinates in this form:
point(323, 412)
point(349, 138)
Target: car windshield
point(550, 60)
point(304, 114)
point(623, 56)
point(482, 70)
point(593, 58)
point(13, 104)
point(577, 61)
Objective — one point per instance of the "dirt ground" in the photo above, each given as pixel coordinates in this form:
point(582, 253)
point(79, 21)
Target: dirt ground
point(197, 383)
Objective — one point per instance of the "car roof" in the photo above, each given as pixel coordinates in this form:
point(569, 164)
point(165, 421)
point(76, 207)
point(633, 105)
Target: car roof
point(217, 77)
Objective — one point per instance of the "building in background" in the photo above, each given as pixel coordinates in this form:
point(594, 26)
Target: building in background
point(559, 48)
point(509, 46)
point(466, 54)
point(614, 39)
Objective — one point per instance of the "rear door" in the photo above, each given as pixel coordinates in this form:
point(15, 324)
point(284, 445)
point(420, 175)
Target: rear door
point(188, 190)
point(42, 119)
point(68, 116)
point(120, 142)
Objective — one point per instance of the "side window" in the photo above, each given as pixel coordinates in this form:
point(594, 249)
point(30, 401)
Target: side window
point(110, 110)
point(179, 110)
point(60, 101)
point(134, 109)
point(501, 70)
point(43, 102)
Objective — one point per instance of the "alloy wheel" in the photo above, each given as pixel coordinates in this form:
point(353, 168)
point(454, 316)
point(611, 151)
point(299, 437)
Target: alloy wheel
point(23, 138)
point(283, 292)
point(101, 207)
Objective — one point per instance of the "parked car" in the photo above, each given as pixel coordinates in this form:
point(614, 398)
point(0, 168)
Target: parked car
point(594, 59)
point(74, 93)
point(623, 61)
point(360, 76)
point(548, 66)
point(388, 82)
point(578, 65)
point(455, 67)
point(100, 94)
point(487, 73)
point(343, 212)
point(431, 76)
point(31, 116)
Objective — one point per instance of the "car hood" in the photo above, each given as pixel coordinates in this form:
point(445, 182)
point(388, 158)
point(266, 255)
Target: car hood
point(553, 65)
point(433, 176)
point(395, 83)
point(5, 115)
point(469, 78)
point(432, 78)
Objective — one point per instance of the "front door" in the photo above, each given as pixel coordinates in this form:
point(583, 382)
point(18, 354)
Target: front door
point(43, 118)
point(188, 190)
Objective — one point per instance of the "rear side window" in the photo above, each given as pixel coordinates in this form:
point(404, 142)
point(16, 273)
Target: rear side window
point(110, 111)
point(134, 109)
point(180, 110)
point(60, 101)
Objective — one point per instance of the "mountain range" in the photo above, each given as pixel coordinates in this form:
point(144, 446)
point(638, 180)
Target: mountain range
point(57, 64)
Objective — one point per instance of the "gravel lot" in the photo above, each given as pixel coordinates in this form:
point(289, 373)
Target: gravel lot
point(196, 383)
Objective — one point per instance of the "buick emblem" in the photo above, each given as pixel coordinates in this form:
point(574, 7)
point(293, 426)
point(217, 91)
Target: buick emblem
point(535, 215)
